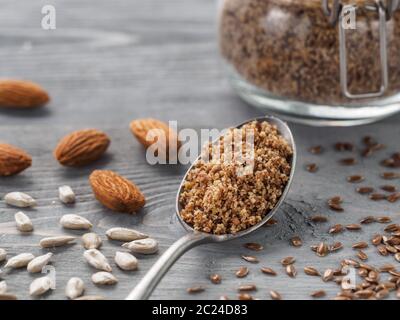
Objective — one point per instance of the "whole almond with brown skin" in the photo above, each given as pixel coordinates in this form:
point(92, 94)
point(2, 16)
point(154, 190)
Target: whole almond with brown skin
point(81, 147)
point(13, 160)
point(116, 192)
point(22, 94)
point(141, 128)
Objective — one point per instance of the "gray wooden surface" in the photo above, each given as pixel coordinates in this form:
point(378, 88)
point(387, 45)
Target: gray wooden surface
point(110, 62)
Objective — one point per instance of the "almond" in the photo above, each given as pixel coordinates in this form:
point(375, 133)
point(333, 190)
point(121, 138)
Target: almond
point(22, 94)
point(81, 147)
point(13, 160)
point(116, 192)
point(150, 131)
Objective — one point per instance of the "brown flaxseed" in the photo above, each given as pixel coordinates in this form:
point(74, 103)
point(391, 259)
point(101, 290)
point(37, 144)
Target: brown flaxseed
point(336, 247)
point(275, 295)
point(384, 219)
point(337, 228)
point(312, 167)
point(291, 271)
point(253, 246)
point(245, 296)
point(394, 197)
point(382, 250)
point(368, 220)
point(377, 196)
point(362, 255)
point(318, 294)
point(389, 188)
point(360, 245)
point(348, 161)
point(311, 271)
point(215, 278)
point(390, 175)
point(365, 190)
point(344, 146)
point(287, 261)
point(268, 271)
point(322, 249)
point(296, 241)
point(196, 289)
point(316, 149)
point(328, 275)
point(376, 240)
point(251, 259)
point(353, 227)
point(247, 287)
point(242, 272)
point(319, 219)
point(355, 179)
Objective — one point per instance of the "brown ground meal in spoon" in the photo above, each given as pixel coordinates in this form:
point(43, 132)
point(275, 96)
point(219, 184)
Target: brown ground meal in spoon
point(228, 193)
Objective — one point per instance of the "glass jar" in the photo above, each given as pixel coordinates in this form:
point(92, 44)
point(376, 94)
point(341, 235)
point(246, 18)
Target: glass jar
point(319, 62)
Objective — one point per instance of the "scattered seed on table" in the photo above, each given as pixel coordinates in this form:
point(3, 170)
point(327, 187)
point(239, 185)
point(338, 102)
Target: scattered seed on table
point(19, 199)
point(348, 161)
point(384, 219)
point(390, 175)
point(344, 146)
point(37, 264)
point(126, 261)
point(311, 271)
point(251, 259)
point(271, 222)
point(376, 240)
point(355, 179)
point(75, 288)
point(336, 247)
point(322, 249)
point(397, 257)
point(288, 260)
point(275, 295)
point(66, 194)
point(57, 241)
point(382, 294)
point(193, 290)
point(19, 261)
point(392, 228)
point(337, 228)
point(40, 286)
point(382, 250)
point(353, 227)
point(142, 246)
point(91, 241)
point(312, 167)
point(365, 190)
point(268, 271)
point(377, 196)
point(335, 203)
point(318, 294)
point(362, 255)
point(245, 296)
point(247, 287)
point(362, 272)
point(387, 267)
point(360, 245)
point(242, 272)
point(97, 260)
point(253, 246)
point(215, 278)
point(291, 271)
point(328, 275)
point(296, 241)
point(368, 220)
point(104, 278)
point(389, 188)
point(394, 197)
point(319, 219)
point(316, 150)
point(23, 222)
point(391, 249)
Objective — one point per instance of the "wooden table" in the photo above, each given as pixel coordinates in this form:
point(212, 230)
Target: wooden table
point(108, 63)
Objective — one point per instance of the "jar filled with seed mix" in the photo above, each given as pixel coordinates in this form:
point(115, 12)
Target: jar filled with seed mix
point(317, 61)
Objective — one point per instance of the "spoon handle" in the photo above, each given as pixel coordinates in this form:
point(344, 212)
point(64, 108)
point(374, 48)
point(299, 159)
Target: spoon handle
point(146, 286)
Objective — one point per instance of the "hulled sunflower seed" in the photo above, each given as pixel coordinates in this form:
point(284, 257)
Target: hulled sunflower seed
point(75, 222)
point(242, 272)
point(125, 235)
point(360, 245)
point(3, 254)
point(125, 261)
point(251, 259)
point(24, 224)
point(275, 295)
point(56, 241)
point(296, 242)
point(7, 296)
point(318, 294)
point(193, 290)
point(268, 271)
point(40, 286)
point(66, 194)
point(311, 271)
point(37, 264)
point(287, 261)
point(328, 275)
point(19, 261)
point(90, 297)
point(3, 287)
point(19, 199)
point(143, 246)
point(291, 271)
point(215, 278)
point(104, 278)
point(75, 288)
point(253, 246)
point(91, 241)
point(97, 260)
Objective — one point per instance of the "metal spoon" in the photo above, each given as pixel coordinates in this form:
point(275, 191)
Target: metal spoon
point(194, 238)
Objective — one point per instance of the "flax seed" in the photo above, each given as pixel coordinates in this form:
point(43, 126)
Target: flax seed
point(390, 175)
point(275, 295)
point(353, 227)
point(215, 278)
point(311, 271)
point(384, 219)
point(368, 220)
point(319, 219)
point(193, 290)
point(253, 246)
point(242, 272)
point(382, 250)
point(287, 261)
point(268, 271)
point(387, 267)
point(389, 188)
point(355, 179)
point(248, 287)
point(377, 196)
point(362, 255)
point(311, 167)
point(394, 197)
point(376, 240)
point(336, 247)
point(291, 271)
point(360, 245)
point(245, 296)
point(344, 146)
point(348, 161)
point(296, 242)
point(322, 249)
point(250, 259)
point(365, 190)
point(337, 228)
point(318, 294)
point(316, 150)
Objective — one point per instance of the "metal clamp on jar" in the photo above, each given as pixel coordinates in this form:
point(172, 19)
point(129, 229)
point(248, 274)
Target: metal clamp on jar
point(315, 62)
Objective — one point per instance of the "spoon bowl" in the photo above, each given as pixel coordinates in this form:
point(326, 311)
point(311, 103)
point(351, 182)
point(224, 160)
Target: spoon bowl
point(194, 238)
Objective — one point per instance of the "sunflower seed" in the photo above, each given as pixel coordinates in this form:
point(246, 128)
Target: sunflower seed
point(291, 271)
point(215, 278)
point(104, 278)
point(268, 271)
point(56, 241)
point(143, 246)
point(3, 254)
point(360, 245)
point(253, 246)
point(364, 294)
point(296, 242)
point(91, 241)
point(311, 271)
point(353, 227)
point(337, 228)
point(125, 235)
point(318, 294)
point(40, 286)
point(328, 275)
point(7, 296)
point(275, 295)
point(66, 194)
point(75, 222)
point(197, 289)
point(251, 259)
point(37, 264)
point(322, 250)
point(3, 287)
point(242, 272)
point(355, 179)
point(247, 287)
point(288, 260)
point(19, 261)
point(387, 267)
point(397, 257)
point(75, 288)
point(376, 240)
point(365, 190)
point(97, 260)
point(19, 199)
point(125, 261)
point(362, 255)
point(24, 224)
